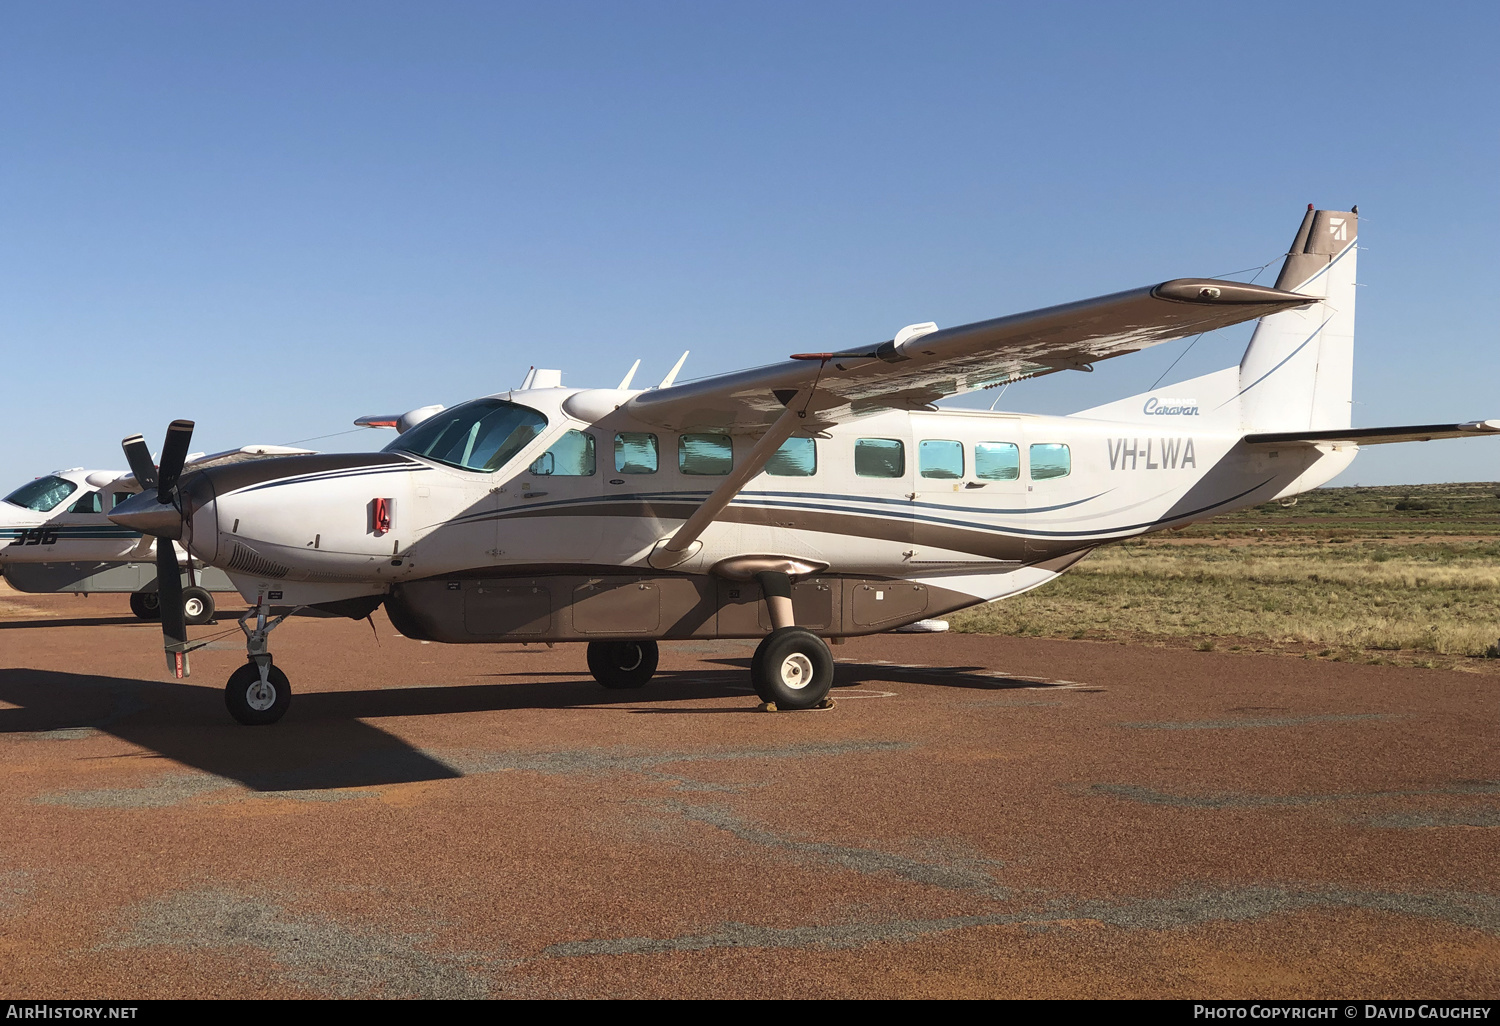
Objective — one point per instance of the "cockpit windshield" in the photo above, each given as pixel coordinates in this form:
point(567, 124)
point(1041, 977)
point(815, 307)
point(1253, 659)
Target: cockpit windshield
point(481, 435)
point(43, 494)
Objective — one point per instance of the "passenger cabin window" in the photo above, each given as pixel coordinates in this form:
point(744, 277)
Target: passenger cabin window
point(879, 457)
point(997, 461)
point(42, 495)
point(482, 435)
point(707, 455)
point(90, 503)
point(941, 459)
point(797, 457)
point(1050, 459)
point(572, 455)
point(635, 452)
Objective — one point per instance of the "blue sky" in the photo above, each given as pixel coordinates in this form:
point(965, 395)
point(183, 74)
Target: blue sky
point(274, 217)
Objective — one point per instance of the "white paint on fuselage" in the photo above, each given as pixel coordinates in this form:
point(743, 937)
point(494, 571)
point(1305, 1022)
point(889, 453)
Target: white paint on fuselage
point(1128, 477)
point(60, 535)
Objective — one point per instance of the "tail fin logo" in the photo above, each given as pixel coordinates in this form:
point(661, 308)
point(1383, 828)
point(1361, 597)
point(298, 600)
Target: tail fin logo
point(1338, 228)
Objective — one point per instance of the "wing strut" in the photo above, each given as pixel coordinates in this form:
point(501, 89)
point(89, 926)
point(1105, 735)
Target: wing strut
point(683, 543)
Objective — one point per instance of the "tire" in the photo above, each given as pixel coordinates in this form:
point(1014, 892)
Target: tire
point(197, 606)
point(250, 707)
point(792, 668)
point(623, 664)
point(145, 605)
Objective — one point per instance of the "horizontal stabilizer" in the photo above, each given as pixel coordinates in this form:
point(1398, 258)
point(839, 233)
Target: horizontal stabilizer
point(1378, 436)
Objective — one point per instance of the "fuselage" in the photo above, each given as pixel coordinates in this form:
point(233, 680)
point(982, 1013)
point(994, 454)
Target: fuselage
point(955, 496)
point(63, 516)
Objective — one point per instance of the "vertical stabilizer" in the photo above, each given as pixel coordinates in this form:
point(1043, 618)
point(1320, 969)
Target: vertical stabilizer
point(1298, 371)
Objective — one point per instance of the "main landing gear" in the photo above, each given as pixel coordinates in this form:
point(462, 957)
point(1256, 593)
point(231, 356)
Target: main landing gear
point(258, 693)
point(146, 605)
point(792, 668)
point(623, 664)
point(197, 605)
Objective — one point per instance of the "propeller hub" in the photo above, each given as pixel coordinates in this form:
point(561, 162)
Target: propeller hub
point(144, 514)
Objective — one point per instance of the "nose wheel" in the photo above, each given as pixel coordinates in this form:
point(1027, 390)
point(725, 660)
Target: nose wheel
point(257, 701)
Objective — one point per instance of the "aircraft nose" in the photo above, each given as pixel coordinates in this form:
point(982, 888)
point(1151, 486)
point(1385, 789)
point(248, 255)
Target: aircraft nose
point(195, 524)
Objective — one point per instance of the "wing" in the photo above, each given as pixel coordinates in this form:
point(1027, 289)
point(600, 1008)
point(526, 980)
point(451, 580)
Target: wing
point(923, 364)
point(1378, 436)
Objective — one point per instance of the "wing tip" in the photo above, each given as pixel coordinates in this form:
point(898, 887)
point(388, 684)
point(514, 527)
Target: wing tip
point(1216, 292)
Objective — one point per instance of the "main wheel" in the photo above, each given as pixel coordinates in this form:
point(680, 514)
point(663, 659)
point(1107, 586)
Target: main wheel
point(622, 664)
point(146, 605)
point(792, 668)
point(197, 605)
point(253, 703)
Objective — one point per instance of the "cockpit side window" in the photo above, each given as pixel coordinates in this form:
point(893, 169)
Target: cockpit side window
point(482, 435)
point(572, 455)
point(90, 503)
point(42, 495)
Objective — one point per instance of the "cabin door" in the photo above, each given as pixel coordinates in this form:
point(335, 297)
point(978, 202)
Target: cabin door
point(1052, 493)
point(971, 496)
point(549, 510)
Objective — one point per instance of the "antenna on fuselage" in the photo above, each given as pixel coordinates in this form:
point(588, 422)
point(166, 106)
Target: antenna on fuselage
point(630, 376)
point(666, 382)
point(530, 375)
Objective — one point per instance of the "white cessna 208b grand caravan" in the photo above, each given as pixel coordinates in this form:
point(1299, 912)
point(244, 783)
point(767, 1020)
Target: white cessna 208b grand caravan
point(822, 497)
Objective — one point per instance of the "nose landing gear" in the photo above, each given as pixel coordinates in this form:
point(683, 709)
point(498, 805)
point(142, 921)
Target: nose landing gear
point(256, 702)
point(258, 693)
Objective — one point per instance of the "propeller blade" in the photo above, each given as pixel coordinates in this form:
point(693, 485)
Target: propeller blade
point(173, 620)
point(139, 458)
point(173, 454)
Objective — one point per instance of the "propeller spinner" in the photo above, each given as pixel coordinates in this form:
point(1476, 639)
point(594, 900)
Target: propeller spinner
point(163, 520)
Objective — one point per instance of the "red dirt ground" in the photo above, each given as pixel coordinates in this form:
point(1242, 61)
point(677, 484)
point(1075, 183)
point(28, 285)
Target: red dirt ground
point(977, 817)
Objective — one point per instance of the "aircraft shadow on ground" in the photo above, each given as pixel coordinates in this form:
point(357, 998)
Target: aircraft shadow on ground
point(77, 621)
point(324, 742)
point(720, 683)
point(849, 675)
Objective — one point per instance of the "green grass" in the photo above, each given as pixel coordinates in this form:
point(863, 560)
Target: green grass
point(1408, 575)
